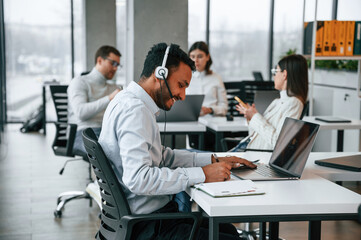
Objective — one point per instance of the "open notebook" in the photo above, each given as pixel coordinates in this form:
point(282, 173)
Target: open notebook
point(230, 188)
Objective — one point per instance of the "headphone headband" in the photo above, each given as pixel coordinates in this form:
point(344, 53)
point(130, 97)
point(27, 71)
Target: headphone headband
point(161, 72)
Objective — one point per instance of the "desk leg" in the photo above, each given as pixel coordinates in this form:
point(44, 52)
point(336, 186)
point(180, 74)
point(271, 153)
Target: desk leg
point(44, 109)
point(273, 230)
point(314, 230)
point(213, 229)
point(173, 141)
point(219, 136)
point(262, 230)
point(340, 140)
point(201, 141)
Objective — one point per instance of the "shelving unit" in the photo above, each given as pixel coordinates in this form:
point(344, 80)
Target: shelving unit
point(315, 58)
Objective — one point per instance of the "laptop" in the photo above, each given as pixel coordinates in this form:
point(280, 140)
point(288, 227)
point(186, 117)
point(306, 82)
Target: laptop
point(289, 156)
point(262, 99)
point(351, 163)
point(183, 111)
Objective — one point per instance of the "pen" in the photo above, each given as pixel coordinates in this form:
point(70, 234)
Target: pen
point(215, 157)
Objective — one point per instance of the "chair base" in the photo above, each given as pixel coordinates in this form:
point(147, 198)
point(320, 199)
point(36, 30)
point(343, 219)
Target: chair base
point(65, 197)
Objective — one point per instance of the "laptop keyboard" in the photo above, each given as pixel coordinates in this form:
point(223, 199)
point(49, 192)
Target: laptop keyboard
point(267, 171)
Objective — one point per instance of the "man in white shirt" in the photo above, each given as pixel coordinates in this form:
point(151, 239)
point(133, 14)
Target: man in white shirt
point(90, 94)
point(149, 173)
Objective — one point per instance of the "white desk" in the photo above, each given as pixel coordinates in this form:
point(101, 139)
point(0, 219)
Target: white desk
point(340, 127)
point(219, 125)
point(332, 174)
point(174, 128)
point(311, 198)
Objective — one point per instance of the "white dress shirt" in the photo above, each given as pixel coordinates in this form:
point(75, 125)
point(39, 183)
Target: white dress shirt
point(149, 173)
point(212, 87)
point(264, 130)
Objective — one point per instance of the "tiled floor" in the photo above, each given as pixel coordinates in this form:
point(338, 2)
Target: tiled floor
point(30, 184)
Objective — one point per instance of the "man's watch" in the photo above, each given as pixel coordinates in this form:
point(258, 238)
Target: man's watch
point(211, 110)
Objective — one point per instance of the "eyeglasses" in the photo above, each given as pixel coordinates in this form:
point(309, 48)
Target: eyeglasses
point(114, 63)
point(275, 70)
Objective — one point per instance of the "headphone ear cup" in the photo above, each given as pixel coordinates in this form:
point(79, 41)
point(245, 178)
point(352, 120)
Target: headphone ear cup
point(161, 72)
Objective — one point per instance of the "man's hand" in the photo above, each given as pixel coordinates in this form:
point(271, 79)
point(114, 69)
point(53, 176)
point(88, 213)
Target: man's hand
point(235, 162)
point(217, 172)
point(112, 95)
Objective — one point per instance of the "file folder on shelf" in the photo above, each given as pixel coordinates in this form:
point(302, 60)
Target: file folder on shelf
point(350, 33)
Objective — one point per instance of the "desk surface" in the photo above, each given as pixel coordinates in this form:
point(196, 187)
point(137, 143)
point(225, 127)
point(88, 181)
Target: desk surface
point(182, 127)
point(220, 124)
point(332, 174)
point(354, 124)
point(310, 195)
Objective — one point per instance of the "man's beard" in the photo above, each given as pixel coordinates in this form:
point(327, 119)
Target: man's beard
point(162, 96)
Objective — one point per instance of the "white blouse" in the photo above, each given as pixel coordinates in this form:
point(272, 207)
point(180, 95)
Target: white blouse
point(212, 87)
point(264, 130)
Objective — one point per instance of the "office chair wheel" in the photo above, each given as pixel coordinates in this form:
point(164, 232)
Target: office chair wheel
point(57, 214)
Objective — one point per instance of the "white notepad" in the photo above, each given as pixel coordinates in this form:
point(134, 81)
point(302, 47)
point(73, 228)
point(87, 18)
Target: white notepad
point(230, 188)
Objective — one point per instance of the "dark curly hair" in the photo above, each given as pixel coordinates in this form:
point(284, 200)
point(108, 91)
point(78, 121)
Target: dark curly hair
point(155, 58)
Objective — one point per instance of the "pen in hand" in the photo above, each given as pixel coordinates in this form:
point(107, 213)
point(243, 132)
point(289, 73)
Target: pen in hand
point(215, 157)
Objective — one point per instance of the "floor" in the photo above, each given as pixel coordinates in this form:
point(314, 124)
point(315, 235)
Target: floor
point(29, 173)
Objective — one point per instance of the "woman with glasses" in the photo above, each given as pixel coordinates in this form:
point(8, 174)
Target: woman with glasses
point(291, 79)
point(205, 81)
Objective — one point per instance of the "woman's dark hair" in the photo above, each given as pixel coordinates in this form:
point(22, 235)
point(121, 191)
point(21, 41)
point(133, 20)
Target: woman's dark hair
point(155, 58)
point(297, 75)
point(104, 52)
point(203, 47)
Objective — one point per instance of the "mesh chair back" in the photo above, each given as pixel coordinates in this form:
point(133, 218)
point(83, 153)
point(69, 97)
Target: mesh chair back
point(114, 202)
point(65, 133)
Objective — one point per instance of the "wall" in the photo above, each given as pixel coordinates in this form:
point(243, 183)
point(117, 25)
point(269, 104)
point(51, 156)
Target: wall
point(335, 95)
point(100, 26)
point(151, 22)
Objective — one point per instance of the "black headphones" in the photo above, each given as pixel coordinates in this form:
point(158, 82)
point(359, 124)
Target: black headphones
point(161, 72)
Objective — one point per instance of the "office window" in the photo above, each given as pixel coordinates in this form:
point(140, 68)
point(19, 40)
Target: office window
point(197, 21)
point(287, 28)
point(38, 49)
point(349, 10)
point(79, 37)
point(239, 35)
point(324, 10)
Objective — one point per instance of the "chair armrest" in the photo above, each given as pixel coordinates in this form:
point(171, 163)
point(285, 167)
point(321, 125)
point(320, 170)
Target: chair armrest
point(128, 222)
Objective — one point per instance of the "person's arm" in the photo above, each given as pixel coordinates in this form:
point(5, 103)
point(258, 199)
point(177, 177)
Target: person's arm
point(79, 100)
point(142, 166)
point(220, 108)
point(267, 131)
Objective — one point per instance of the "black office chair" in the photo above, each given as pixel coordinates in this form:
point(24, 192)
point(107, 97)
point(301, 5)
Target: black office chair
point(245, 90)
point(305, 110)
point(63, 144)
point(257, 76)
point(117, 221)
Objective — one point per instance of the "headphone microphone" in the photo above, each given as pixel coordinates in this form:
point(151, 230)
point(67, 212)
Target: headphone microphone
point(161, 72)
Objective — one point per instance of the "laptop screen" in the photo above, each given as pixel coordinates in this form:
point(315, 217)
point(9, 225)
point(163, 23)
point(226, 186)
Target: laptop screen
point(183, 111)
point(293, 146)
